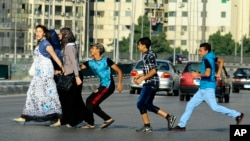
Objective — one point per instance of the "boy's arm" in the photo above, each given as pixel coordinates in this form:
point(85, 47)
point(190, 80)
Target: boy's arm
point(120, 75)
point(150, 74)
point(84, 65)
point(220, 66)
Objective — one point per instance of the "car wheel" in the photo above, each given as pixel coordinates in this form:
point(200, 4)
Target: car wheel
point(226, 98)
point(170, 92)
point(181, 97)
point(187, 97)
point(132, 91)
point(176, 92)
point(220, 99)
point(236, 90)
point(138, 91)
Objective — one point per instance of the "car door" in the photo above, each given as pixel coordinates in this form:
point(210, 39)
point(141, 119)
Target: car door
point(226, 81)
point(176, 76)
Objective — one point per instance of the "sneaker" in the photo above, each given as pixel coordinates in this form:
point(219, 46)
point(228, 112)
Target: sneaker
point(171, 121)
point(145, 129)
point(239, 118)
point(178, 128)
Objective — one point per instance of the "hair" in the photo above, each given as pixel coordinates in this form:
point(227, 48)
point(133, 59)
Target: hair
point(100, 47)
point(67, 36)
point(206, 46)
point(45, 30)
point(145, 41)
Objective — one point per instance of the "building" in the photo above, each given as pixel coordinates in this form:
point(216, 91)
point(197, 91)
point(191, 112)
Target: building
point(104, 21)
point(13, 28)
point(55, 14)
point(187, 23)
point(190, 22)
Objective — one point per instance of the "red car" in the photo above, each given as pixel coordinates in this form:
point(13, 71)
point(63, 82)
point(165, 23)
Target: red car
point(189, 85)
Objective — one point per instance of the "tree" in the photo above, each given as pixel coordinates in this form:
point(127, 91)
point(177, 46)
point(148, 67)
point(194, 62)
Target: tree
point(159, 42)
point(222, 44)
point(246, 46)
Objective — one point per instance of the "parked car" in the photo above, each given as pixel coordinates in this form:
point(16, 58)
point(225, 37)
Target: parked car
point(189, 85)
point(241, 79)
point(179, 59)
point(169, 77)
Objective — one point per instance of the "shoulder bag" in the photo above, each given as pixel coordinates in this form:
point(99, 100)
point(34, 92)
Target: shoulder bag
point(65, 82)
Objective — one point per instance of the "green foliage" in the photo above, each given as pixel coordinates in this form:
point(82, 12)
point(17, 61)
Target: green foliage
point(124, 45)
point(246, 46)
point(222, 44)
point(225, 45)
point(159, 42)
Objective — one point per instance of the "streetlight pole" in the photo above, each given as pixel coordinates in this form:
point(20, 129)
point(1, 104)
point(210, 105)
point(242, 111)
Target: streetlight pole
point(150, 26)
point(87, 31)
point(15, 35)
point(132, 32)
point(49, 14)
point(115, 31)
point(181, 6)
point(241, 50)
point(174, 54)
point(74, 17)
point(118, 34)
point(235, 45)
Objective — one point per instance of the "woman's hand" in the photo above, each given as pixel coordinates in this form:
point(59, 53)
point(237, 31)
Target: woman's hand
point(78, 80)
point(63, 71)
point(57, 72)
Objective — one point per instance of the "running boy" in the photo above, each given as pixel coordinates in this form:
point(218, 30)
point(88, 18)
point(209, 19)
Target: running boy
point(149, 89)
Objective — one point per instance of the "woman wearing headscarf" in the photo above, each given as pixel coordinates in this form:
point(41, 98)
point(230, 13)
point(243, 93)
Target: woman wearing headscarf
point(73, 107)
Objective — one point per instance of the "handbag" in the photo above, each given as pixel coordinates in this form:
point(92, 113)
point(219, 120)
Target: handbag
point(32, 69)
point(65, 82)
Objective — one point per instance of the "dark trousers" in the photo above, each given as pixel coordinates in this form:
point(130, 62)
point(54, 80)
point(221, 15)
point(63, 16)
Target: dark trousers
point(95, 99)
point(145, 100)
point(73, 107)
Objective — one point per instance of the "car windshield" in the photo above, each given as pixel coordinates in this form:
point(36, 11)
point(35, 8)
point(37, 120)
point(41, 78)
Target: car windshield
point(192, 67)
point(160, 65)
point(244, 72)
point(195, 67)
point(182, 56)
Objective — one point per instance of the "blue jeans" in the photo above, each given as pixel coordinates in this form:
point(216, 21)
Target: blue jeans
point(207, 95)
point(145, 100)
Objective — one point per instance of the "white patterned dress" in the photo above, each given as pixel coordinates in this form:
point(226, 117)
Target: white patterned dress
point(42, 102)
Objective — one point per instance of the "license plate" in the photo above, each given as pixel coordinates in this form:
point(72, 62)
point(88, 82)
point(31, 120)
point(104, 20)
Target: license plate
point(247, 86)
point(197, 81)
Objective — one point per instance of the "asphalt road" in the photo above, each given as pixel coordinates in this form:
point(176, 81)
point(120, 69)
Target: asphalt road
point(204, 125)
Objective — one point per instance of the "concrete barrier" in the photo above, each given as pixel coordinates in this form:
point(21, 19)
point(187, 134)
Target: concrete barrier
point(4, 71)
point(10, 87)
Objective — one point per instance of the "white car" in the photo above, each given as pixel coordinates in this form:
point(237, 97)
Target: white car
point(168, 76)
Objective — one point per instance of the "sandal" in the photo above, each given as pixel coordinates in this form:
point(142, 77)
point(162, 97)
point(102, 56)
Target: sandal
point(107, 123)
point(88, 126)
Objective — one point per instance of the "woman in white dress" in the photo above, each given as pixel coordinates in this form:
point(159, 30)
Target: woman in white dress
point(42, 102)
